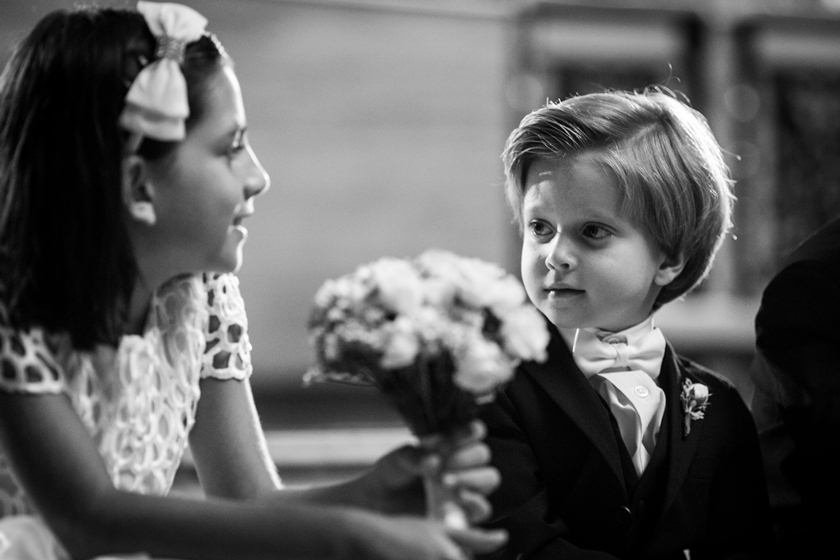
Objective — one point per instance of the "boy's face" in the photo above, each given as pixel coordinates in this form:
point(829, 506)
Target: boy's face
point(584, 264)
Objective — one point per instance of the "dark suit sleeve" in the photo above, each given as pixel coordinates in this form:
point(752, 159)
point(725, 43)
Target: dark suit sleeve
point(797, 327)
point(798, 335)
point(738, 512)
point(521, 503)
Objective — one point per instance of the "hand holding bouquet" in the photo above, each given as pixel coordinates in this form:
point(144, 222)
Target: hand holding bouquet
point(438, 335)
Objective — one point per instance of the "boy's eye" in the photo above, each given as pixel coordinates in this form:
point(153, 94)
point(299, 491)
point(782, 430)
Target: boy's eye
point(594, 231)
point(540, 229)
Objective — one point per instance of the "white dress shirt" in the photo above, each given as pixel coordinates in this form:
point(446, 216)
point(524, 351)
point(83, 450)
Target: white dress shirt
point(623, 367)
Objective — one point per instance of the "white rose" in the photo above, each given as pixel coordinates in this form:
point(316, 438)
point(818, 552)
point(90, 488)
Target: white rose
point(505, 295)
point(325, 294)
point(698, 392)
point(399, 285)
point(431, 324)
point(372, 315)
point(354, 332)
point(477, 283)
point(524, 334)
point(439, 292)
point(402, 345)
point(437, 262)
point(332, 347)
point(335, 315)
point(442, 268)
point(348, 291)
point(480, 282)
point(481, 367)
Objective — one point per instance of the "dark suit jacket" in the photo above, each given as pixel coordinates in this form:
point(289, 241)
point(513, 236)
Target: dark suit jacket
point(569, 489)
point(797, 388)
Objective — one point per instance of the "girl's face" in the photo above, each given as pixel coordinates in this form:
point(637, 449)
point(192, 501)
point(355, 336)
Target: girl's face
point(583, 263)
point(206, 189)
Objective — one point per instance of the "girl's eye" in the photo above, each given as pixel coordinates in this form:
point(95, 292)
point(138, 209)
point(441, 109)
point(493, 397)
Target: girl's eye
point(596, 232)
point(238, 145)
point(539, 229)
point(236, 148)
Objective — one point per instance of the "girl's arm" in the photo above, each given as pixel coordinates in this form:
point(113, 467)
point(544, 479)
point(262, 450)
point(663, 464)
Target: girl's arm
point(59, 466)
point(232, 461)
point(231, 454)
point(228, 444)
point(394, 485)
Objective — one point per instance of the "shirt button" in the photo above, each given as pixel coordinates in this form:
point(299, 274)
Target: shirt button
point(641, 390)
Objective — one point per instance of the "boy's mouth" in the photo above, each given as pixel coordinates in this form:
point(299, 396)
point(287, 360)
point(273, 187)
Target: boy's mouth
point(560, 292)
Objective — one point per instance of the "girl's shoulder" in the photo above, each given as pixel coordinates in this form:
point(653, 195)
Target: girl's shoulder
point(227, 353)
point(27, 358)
point(216, 293)
point(212, 300)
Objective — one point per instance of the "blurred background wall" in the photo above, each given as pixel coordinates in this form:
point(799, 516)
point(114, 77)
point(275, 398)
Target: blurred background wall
point(381, 121)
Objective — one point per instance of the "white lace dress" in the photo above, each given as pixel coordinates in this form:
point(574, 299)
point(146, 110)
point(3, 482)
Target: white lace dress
point(138, 401)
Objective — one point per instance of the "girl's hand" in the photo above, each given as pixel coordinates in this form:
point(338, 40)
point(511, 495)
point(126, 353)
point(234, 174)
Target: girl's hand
point(396, 479)
point(375, 537)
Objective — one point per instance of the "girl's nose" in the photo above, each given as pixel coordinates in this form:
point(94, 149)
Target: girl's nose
point(256, 180)
point(560, 253)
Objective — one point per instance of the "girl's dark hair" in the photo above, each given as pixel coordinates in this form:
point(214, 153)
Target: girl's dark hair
point(66, 261)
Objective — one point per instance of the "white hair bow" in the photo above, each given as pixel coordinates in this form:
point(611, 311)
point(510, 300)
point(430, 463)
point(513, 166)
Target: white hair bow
point(156, 105)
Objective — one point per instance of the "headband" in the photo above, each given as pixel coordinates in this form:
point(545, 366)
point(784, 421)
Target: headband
point(156, 105)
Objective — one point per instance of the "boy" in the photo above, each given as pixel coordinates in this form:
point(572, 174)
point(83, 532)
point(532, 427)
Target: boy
point(617, 446)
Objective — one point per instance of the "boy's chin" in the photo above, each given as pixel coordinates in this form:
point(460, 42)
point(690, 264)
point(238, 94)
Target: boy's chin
point(559, 319)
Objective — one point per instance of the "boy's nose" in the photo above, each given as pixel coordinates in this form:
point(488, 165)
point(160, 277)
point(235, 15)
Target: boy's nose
point(560, 254)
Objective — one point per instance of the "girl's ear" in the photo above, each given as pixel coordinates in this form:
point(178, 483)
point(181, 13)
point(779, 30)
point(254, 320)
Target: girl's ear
point(137, 190)
point(669, 268)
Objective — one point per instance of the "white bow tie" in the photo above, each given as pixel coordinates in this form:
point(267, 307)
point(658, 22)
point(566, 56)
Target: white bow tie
point(623, 367)
point(641, 347)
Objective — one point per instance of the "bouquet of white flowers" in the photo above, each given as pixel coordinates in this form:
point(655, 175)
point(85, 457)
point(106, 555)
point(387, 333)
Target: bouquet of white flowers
point(438, 335)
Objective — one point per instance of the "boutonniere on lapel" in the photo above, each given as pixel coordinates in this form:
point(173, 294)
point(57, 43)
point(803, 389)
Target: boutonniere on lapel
point(695, 399)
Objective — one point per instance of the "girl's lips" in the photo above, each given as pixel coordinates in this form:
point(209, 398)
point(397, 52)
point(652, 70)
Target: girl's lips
point(243, 232)
point(237, 221)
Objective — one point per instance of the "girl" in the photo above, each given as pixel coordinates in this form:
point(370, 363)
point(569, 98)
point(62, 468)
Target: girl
point(125, 179)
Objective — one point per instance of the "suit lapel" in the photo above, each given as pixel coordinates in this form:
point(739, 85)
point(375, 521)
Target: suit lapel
point(682, 447)
point(560, 377)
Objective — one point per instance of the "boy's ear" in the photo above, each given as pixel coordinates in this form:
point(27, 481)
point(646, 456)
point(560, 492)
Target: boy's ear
point(669, 268)
point(137, 190)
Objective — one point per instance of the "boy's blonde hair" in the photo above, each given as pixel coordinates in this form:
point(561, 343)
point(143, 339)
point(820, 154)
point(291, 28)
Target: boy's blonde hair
point(664, 157)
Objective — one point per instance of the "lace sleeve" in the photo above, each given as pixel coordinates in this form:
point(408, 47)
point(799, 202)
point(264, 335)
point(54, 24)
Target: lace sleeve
point(26, 363)
point(227, 354)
